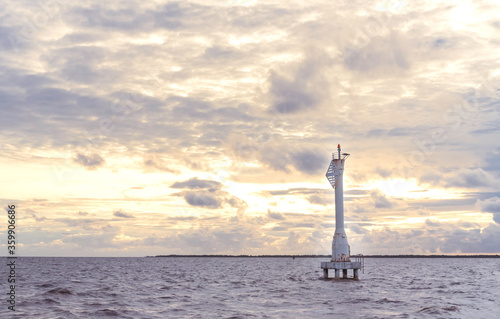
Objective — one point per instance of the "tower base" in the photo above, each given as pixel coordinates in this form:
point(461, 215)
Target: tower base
point(341, 265)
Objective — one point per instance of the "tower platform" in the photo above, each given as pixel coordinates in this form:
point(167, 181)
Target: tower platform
point(343, 265)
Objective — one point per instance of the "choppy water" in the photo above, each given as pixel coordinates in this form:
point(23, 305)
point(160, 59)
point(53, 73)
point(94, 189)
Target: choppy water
point(251, 287)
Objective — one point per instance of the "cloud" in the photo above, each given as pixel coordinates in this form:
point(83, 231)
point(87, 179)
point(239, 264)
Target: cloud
point(435, 237)
point(302, 243)
point(431, 177)
point(316, 196)
point(36, 217)
point(195, 183)
point(88, 224)
point(306, 90)
point(231, 239)
point(126, 19)
point(433, 223)
point(290, 96)
point(324, 200)
point(279, 154)
point(236, 202)
point(380, 201)
point(297, 191)
point(493, 160)
point(471, 178)
point(472, 241)
point(380, 53)
point(309, 162)
point(203, 199)
point(275, 215)
point(383, 172)
point(94, 241)
point(490, 205)
point(90, 162)
point(158, 163)
point(122, 214)
point(208, 194)
point(357, 229)
point(274, 158)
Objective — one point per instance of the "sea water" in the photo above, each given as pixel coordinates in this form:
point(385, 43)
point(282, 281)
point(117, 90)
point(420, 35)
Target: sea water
point(238, 287)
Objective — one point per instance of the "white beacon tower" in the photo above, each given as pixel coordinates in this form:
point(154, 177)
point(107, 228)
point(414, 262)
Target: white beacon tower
point(341, 252)
point(340, 248)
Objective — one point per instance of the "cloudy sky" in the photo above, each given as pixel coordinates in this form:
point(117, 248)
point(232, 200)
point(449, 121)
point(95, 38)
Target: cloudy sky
point(133, 128)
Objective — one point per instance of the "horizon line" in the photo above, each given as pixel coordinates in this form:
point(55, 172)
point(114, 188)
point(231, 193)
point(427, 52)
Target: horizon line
point(492, 255)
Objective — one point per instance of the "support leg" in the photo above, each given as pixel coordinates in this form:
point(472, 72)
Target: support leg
point(325, 273)
point(344, 273)
point(356, 274)
point(337, 274)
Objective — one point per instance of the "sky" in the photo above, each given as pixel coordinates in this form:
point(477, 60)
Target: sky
point(135, 128)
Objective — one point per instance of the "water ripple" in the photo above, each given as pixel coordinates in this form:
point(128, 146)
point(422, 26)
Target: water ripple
point(254, 287)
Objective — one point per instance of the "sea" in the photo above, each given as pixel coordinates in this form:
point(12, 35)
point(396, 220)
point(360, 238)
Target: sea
point(250, 287)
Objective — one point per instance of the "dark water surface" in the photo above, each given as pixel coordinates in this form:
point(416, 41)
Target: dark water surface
point(183, 287)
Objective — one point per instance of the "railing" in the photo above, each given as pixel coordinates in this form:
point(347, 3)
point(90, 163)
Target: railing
point(335, 156)
point(360, 259)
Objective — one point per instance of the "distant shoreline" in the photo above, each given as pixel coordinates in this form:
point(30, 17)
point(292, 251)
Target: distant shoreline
point(271, 256)
point(329, 256)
